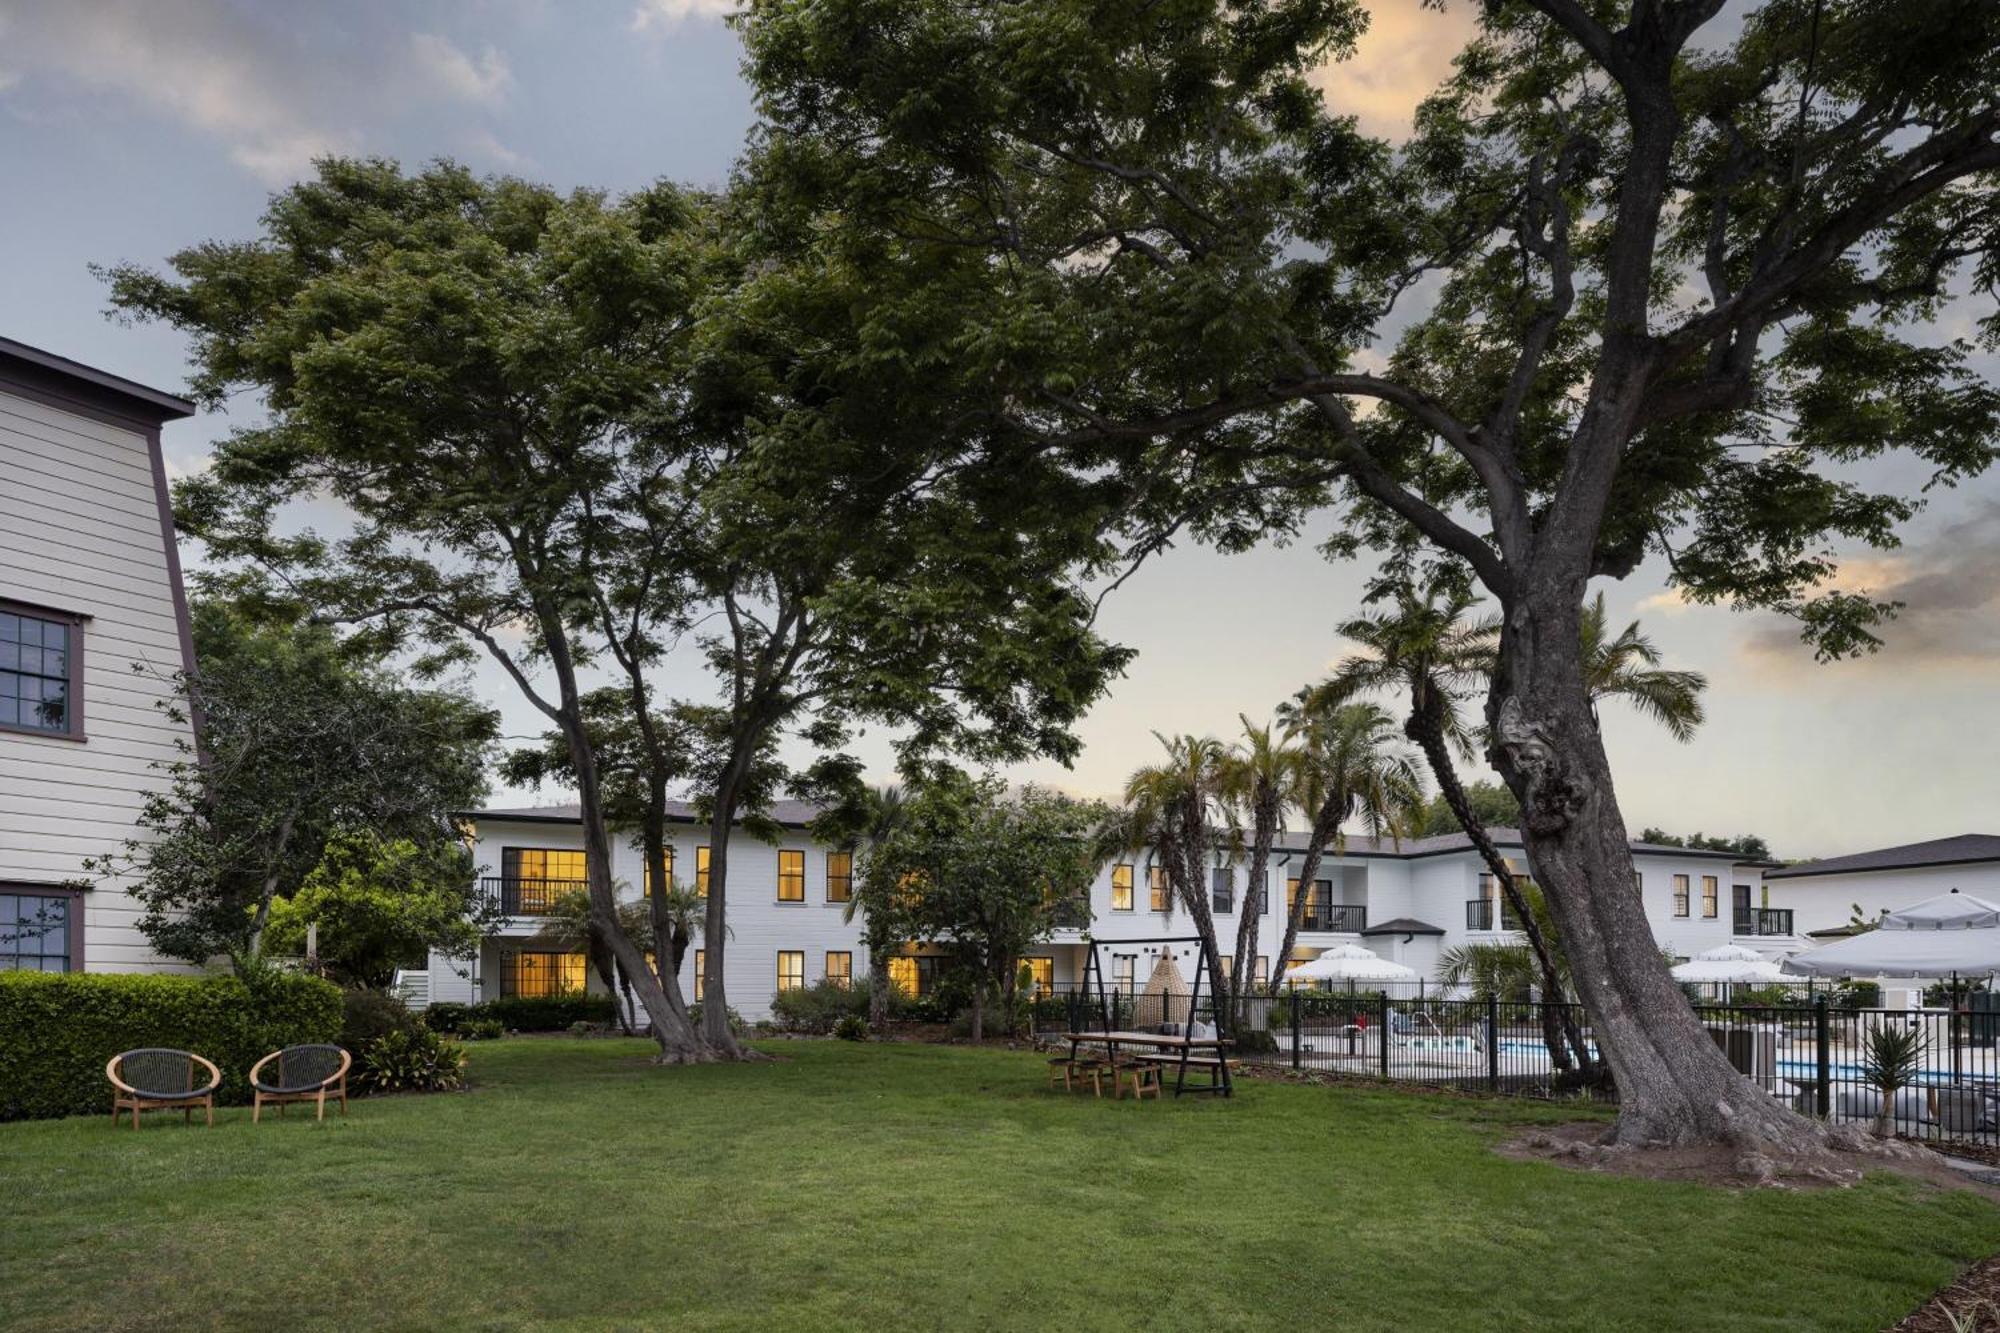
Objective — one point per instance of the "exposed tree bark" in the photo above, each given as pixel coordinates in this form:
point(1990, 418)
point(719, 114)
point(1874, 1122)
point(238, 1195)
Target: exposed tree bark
point(1266, 805)
point(1325, 826)
point(1674, 1084)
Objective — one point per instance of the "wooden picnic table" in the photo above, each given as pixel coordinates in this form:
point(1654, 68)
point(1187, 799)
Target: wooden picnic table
point(1164, 1045)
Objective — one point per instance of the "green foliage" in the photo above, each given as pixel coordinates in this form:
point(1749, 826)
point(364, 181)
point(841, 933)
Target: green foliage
point(481, 1029)
point(57, 1030)
point(1748, 845)
point(368, 1014)
point(1891, 1057)
point(413, 1060)
point(546, 1013)
point(314, 746)
point(1492, 804)
point(819, 1007)
point(449, 1016)
point(735, 1020)
point(379, 906)
point(851, 1027)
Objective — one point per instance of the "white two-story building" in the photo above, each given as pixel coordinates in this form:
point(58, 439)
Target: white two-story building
point(90, 586)
point(790, 925)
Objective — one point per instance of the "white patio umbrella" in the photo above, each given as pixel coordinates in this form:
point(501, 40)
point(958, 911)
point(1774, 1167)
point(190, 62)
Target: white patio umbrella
point(1953, 933)
point(1351, 962)
point(1729, 965)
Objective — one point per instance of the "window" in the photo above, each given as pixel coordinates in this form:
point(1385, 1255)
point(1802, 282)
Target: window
point(913, 975)
point(791, 969)
point(1498, 903)
point(1121, 972)
point(840, 967)
point(539, 974)
point(1262, 976)
point(701, 871)
point(1710, 891)
point(1042, 972)
point(839, 876)
point(1121, 888)
point(534, 879)
point(1764, 898)
point(700, 970)
point(1680, 895)
point(791, 877)
point(1156, 887)
point(670, 871)
point(40, 932)
point(1222, 889)
point(41, 672)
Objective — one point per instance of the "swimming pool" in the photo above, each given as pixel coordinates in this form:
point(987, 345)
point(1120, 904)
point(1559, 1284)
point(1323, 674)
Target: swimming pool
point(1459, 1044)
point(1522, 1046)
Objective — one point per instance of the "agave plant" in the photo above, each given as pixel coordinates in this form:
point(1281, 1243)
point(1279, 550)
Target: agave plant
point(1889, 1062)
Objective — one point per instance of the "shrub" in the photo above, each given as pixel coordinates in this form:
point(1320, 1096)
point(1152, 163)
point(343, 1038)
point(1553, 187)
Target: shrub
point(818, 1008)
point(57, 1030)
point(481, 1029)
point(851, 1027)
point(450, 1017)
point(736, 1023)
point(368, 1014)
point(547, 1013)
point(416, 1060)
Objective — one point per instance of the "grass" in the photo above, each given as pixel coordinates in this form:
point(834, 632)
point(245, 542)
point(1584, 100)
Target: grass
point(913, 1186)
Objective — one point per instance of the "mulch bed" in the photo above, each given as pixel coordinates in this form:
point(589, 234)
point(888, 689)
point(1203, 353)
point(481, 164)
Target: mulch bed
point(1973, 1300)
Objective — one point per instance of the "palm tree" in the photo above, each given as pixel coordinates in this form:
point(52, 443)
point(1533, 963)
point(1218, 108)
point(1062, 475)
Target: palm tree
point(883, 814)
point(1431, 647)
point(1489, 971)
point(1346, 769)
point(1258, 777)
point(1628, 667)
point(1170, 809)
point(1890, 1060)
point(569, 927)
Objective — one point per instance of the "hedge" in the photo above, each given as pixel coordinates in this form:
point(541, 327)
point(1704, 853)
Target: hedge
point(57, 1030)
point(523, 1013)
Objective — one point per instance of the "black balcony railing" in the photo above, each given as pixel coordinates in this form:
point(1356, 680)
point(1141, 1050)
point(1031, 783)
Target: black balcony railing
point(528, 897)
point(1318, 914)
point(1763, 921)
point(1479, 915)
point(1073, 915)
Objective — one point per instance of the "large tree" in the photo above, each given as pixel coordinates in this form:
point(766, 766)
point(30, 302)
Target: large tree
point(1663, 267)
point(307, 739)
point(1259, 777)
point(575, 432)
point(1173, 812)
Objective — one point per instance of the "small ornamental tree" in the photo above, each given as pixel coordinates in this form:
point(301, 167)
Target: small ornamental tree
point(979, 874)
point(307, 742)
point(1642, 284)
point(380, 905)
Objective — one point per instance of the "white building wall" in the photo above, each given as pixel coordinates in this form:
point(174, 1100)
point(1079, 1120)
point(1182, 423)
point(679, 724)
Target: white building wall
point(80, 532)
point(1824, 902)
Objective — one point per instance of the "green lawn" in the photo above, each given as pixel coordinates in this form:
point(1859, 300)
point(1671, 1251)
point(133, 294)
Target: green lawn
point(915, 1186)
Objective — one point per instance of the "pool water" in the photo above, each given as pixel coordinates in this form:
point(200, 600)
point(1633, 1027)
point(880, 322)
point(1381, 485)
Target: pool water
point(1439, 1044)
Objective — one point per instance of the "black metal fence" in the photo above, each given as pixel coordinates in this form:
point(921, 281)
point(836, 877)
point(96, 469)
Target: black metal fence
point(1811, 1056)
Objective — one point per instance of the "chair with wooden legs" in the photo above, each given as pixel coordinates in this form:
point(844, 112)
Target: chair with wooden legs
point(158, 1079)
point(300, 1074)
point(1143, 1078)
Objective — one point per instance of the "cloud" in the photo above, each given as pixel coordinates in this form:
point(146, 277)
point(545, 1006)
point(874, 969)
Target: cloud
point(1950, 590)
point(483, 82)
point(668, 14)
point(1404, 55)
point(483, 144)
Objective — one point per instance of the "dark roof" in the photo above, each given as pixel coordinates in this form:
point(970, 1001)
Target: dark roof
point(1445, 843)
point(1965, 849)
point(31, 368)
point(792, 814)
point(1402, 925)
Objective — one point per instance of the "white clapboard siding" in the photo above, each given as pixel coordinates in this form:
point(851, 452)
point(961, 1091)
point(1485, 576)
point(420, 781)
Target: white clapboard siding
point(80, 532)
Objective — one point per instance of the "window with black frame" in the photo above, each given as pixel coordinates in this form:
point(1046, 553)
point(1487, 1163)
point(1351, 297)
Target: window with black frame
point(38, 673)
point(1222, 889)
point(36, 932)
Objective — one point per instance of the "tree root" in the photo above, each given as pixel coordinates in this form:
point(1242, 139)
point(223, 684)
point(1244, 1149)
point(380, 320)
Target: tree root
point(1825, 1156)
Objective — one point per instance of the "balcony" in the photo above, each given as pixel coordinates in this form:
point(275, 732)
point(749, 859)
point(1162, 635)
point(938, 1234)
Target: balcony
point(528, 897)
point(1763, 921)
point(1073, 915)
point(1479, 915)
point(1340, 918)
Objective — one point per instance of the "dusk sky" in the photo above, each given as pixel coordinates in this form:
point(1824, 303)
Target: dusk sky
point(135, 128)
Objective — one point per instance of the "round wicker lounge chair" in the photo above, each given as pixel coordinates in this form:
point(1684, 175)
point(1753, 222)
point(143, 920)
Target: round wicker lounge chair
point(157, 1079)
point(300, 1074)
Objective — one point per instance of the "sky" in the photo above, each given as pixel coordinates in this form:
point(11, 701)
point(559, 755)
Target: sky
point(133, 128)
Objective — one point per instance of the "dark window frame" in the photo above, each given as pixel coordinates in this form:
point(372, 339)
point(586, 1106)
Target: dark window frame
point(74, 921)
point(1682, 884)
point(511, 971)
point(1222, 889)
point(1124, 867)
point(783, 954)
point(846, 976)
point(73, 660)
point(845, 879)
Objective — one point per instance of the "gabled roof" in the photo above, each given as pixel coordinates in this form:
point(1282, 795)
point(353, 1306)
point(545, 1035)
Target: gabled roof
point(86, 388)
point(1965, 849)
point(1446, 843)
point(792, 814)
point(1402, 925)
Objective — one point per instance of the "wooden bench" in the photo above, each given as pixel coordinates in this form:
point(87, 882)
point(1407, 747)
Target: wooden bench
point(1142, 1076)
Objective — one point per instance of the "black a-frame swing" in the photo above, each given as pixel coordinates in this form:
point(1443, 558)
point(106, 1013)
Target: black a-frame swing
point(1215, 1063)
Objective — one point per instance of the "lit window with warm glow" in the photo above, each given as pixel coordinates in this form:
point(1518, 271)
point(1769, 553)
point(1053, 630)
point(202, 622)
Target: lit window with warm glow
point(840, 967)
point(791, 969)
point(669, 860)
point(839, 876)
point(1121, 888)
point(791, 877)
point(1042, 972)
point(701, 871)
point(1156, 884)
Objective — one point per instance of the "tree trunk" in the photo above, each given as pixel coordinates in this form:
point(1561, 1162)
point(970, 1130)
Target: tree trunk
point(1559, 1029)
point(670, 939)
point(1674, 1085)
point(1325, 822)
point(978, 1010)
point(878, 987)
point(1242, 980)
point(714, 991)
point(1184, 867)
